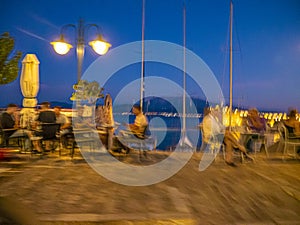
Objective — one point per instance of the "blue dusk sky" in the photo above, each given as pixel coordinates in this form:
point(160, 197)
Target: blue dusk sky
point(266, 45)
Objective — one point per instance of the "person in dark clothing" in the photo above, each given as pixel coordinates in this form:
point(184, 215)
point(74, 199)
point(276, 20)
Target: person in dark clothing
point(292, 123)
point(47, 120)
point(254, 122)
point(9, 120)
point(256, 125)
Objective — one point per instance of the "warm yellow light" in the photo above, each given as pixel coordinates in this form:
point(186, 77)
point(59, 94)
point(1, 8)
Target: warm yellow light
point(284, 116)
point(61, 47)
point(265, 115)
point(100, 46)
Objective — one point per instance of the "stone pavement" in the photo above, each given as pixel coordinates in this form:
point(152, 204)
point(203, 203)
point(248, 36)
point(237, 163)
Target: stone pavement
point(58, 190)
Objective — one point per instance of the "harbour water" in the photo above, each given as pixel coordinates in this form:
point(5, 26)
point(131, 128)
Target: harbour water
point(167, 128)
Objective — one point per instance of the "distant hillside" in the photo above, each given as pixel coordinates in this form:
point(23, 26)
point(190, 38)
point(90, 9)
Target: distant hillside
point(170, 104)
point(154, 104)
point(62, 104)
point(66, 105)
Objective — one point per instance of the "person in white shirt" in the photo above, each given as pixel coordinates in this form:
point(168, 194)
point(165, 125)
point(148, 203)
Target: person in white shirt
point(137, 129)
point(65, 124)
point(61, 118)
point(214, 130)
point(211, 125)
point(140, 124)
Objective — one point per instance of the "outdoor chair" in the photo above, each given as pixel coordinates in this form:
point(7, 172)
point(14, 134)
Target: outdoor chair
point(258, 142)
point(84, 138)
point(214, 145)
point(67, 143)
point(142, 142)
point(9, 146)
point(287, 140)
point(48, 132)
point(51, 133)
point(236, 153)
point(4, 136)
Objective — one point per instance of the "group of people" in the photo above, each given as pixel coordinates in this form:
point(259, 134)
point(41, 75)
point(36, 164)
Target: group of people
point(211, 126)
point(214, 130)
point(10, 124)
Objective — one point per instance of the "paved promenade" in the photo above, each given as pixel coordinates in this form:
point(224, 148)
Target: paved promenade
point(58, 190)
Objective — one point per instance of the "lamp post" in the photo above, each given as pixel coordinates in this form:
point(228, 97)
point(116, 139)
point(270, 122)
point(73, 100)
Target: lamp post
point(99, 45)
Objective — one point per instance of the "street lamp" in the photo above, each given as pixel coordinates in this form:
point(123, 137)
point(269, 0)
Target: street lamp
point(99, 45)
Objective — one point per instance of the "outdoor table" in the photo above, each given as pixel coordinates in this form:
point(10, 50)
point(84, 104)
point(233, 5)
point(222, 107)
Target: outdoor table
point(10, 129)
point(22, 135)
point(83, 130)
point(5, 130)
point(246, 136)
point(19, 134)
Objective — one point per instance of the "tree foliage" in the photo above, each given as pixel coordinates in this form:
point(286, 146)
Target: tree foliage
point(87, 91)
point(8, 65)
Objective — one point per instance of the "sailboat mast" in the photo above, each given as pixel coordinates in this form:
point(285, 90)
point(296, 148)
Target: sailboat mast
point(184, 141)
point(184, 71)
point(230, 65)
point(142, 88)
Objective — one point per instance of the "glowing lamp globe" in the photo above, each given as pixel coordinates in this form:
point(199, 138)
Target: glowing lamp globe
point(61, 47)
point(100, 46)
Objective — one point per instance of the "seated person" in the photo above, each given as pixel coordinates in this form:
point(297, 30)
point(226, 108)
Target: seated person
point(140, 123)
point(137, 129)
point(212, 126)
point(45, 116)
point(9, 120)
point(254, 122)
point(292, 124)
point(65, 124)
point(231, 142)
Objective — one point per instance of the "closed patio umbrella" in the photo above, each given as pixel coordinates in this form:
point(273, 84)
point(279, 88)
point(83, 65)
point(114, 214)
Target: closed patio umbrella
point(29, 83)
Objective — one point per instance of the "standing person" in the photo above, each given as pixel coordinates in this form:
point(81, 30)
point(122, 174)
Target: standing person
point(100, 116)
point(65, 124)
point(10, 120)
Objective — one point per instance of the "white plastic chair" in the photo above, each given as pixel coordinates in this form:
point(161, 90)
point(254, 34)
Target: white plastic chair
point(287, 140)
